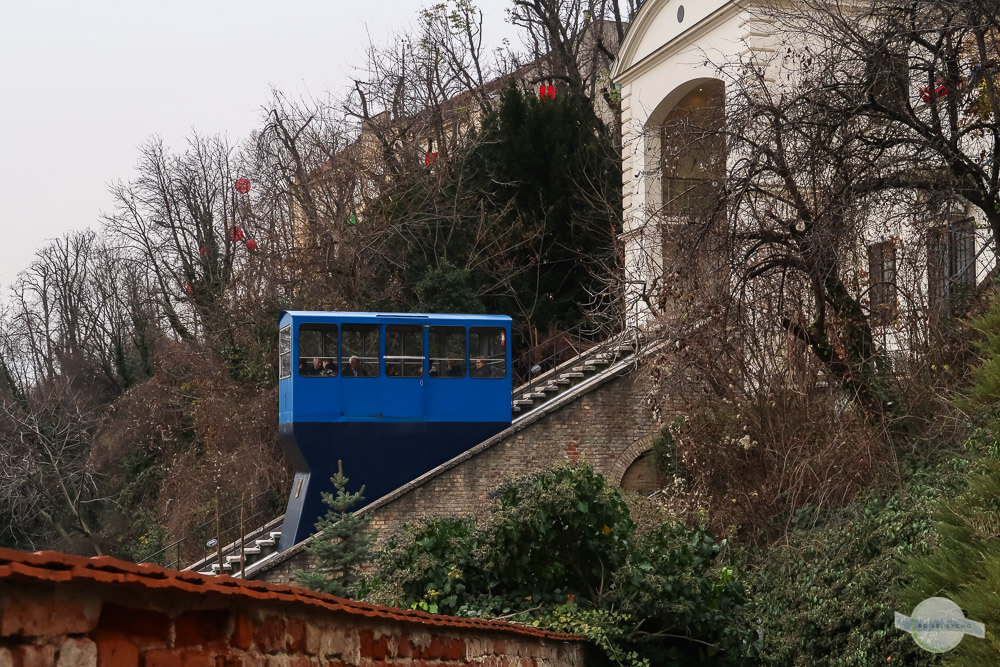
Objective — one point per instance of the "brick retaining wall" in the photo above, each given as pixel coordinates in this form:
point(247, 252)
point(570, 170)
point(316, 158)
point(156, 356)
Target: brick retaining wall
point(609, 427)
point(72, 611)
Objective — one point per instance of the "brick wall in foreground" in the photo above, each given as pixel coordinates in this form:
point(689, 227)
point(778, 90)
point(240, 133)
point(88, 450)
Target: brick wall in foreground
point(72, 611)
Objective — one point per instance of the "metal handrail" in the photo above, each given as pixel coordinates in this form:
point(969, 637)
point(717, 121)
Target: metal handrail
point(230, 519)
point(609, 346)
point(572, 341)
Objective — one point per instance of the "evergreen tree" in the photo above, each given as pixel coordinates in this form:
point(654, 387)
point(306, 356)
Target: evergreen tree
point(521, 219)
point(343, 543)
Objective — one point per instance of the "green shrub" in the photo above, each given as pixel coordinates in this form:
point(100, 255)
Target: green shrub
point(559, 550)
point(559, 532)
point(681, 596)
point(606, 629)
point(426, 565)
point(828, 593)
point(964, 564)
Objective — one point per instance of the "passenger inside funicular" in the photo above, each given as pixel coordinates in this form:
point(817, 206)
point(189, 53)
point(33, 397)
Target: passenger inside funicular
point(487, 352)
point(318, 350)
point(353, 368)
point(359, 353)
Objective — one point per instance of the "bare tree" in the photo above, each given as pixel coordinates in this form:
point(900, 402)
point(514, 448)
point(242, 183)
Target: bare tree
point(44, 474)
point(829, 147)
point(313, 186)
point(185, 221)
point(574, 42)
point(926, 76)
point(451, 42)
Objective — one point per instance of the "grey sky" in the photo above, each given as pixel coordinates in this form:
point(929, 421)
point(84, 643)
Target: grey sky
point(84, 83)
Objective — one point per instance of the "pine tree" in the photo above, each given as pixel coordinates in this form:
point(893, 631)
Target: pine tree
point(343, 544)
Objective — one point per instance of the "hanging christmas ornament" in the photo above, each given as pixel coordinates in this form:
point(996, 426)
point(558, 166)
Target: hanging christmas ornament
point(243, 185)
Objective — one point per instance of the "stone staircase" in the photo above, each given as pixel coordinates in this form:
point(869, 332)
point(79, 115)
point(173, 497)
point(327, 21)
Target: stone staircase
point(235, 557)
point(552, 383)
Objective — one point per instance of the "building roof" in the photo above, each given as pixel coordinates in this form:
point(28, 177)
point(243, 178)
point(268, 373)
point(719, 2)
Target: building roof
point(53, 567)
point(367, 317)
point(662, 25)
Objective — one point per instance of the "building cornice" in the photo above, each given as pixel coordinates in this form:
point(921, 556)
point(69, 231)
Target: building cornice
point(622, 73)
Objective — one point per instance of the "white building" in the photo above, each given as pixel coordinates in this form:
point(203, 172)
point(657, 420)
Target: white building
point(669, 66)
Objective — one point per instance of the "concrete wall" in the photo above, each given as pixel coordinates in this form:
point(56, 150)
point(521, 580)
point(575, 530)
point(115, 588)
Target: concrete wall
point(71, 611)
point(609, 428)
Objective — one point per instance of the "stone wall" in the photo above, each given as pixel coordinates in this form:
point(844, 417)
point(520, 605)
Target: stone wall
point(71, 611)
point(609, 427)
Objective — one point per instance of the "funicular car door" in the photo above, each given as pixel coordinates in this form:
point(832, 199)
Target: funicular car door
point(359, 371)
point(405, 372)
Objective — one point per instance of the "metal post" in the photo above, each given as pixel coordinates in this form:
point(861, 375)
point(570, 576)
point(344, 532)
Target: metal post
point(243, 553)
point(218, 528)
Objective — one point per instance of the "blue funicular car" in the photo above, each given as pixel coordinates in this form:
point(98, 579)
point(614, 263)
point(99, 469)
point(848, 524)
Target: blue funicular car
point(391, 395)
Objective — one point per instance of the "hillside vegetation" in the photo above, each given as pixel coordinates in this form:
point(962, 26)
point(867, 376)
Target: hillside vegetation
point(830, 453)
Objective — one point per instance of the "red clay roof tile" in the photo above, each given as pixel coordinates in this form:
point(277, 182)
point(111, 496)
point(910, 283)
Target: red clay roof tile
point(55, 567)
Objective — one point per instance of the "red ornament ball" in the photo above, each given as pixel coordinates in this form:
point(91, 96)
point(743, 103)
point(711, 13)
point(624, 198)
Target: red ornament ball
point(251, 245)
point(243, 185)
point(237, 234)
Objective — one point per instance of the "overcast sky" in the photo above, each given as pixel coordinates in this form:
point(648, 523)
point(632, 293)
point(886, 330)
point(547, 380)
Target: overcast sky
point(85, 83)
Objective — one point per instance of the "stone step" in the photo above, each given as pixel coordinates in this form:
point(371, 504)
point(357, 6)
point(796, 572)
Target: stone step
point(265, 542)
point(523, 401)
point(562, 381)
point(550, 387)
point(571, 375)
point(275, 534)
point(585, 368)
point(534, 394)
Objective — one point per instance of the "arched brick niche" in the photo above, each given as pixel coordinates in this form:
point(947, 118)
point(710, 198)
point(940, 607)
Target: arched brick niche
point(642, 477)
point(635, 469)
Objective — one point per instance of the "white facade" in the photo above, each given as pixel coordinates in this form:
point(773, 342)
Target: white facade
point(671, 49)
point(676, 47)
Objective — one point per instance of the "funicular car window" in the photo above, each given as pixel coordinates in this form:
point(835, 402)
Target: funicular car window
point(318, 350)
point(487, 352)
point(448, 359)
point(285, 352)
point(404, 350)
point(359, 350)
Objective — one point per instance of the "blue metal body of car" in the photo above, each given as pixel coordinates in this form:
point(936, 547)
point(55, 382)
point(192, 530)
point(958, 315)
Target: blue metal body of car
point(389, 395)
